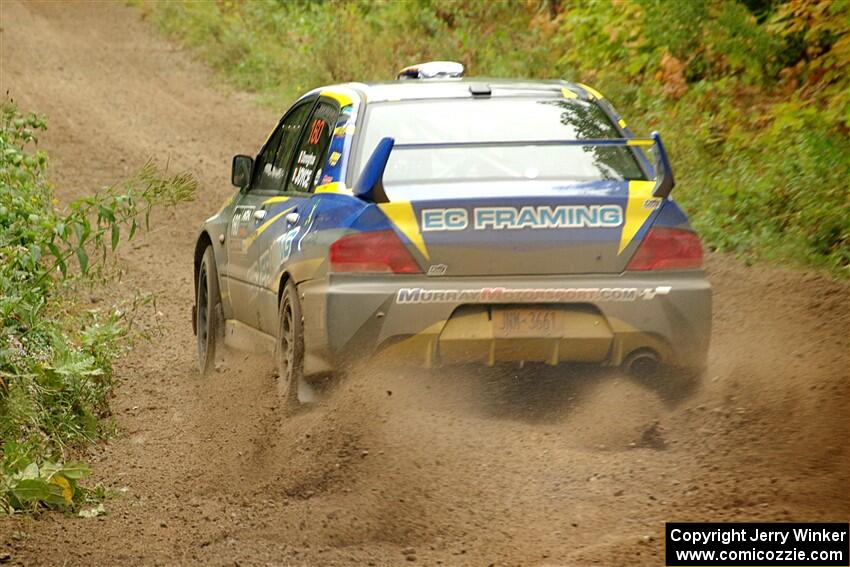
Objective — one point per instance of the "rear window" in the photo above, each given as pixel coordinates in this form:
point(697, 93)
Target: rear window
point(496, 120)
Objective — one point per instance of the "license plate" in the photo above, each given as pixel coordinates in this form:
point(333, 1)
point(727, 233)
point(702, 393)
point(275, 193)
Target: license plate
point(513, 323)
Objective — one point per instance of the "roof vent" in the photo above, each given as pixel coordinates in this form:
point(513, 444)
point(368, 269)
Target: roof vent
point(480, 89)
point(432, 70)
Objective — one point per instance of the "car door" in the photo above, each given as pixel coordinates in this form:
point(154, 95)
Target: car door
point(254, 208)
point(289, 217)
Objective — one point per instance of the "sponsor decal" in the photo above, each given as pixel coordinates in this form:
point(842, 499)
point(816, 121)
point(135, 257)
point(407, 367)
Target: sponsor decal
point(437, 269)
point(341, 131)
point(303, 172)
point(511, 218)
point(316, 131)
point(240, 221)
point(280, 251)
point(334, 158)
point(288, 238)
point(529, 295)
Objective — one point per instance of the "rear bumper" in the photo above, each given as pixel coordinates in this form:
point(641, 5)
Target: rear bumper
point(431, 321)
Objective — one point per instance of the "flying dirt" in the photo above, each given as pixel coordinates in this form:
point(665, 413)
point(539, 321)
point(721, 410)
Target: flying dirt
point(466, 466)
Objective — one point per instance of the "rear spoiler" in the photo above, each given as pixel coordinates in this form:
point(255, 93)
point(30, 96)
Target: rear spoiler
point(370, 186)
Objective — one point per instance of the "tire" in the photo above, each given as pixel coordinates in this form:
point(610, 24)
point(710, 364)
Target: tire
point(207, 302)
point(289, 351)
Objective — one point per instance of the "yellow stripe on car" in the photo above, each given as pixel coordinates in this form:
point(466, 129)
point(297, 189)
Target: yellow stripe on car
point(591, 91)
point(336, 187)
point(262, 228)
point(342, 130)
point(269, 137)
point(401, 214)
point(340, 95)
point(639, 207)
point(567, 93)
point(274, 200)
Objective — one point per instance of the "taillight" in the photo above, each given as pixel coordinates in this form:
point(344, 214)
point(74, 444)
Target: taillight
point(380, 251)
point(667, 249)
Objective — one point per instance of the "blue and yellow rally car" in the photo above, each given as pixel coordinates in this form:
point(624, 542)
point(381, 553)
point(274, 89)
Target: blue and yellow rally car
point(449, 220)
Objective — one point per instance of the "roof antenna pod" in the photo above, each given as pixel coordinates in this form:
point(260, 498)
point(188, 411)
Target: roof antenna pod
point(432, 70)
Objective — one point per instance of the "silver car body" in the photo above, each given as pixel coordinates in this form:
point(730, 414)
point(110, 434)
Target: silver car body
point(523, 252)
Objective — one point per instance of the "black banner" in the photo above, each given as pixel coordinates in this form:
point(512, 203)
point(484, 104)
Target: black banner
point(764, 544)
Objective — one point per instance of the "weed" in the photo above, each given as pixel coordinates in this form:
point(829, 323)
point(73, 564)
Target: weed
point(55, 359)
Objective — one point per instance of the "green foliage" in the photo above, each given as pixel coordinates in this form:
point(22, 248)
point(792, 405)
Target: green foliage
point(56, 361)
point(752, 96)
point(50, 484)
point(283, 48)
point(756, 125)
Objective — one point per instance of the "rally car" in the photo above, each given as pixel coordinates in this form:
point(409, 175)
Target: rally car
point(444, 220)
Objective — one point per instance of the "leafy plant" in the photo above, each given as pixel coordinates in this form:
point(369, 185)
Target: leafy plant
point(51, 484)
point(56, 359)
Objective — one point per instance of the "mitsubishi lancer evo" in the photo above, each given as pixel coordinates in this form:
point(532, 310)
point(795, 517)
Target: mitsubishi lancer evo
point(447, 220)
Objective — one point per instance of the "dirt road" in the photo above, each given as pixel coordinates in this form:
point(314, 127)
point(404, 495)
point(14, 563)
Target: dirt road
point(395, 469)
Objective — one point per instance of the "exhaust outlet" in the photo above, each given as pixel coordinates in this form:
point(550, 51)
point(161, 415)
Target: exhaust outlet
point(642, 364)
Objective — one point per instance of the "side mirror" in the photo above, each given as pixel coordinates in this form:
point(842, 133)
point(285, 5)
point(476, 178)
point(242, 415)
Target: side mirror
point(370, 186)
point(664, 181)
point(240, 172)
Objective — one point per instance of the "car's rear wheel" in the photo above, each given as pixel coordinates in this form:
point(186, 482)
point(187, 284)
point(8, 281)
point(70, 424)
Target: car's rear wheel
point(207, 301)
point(290, 347)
